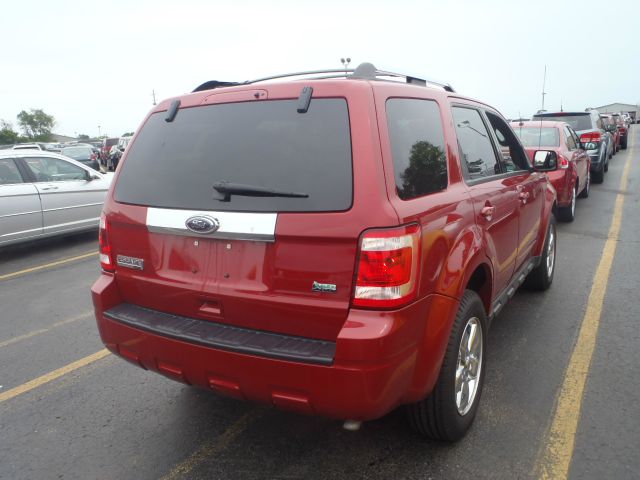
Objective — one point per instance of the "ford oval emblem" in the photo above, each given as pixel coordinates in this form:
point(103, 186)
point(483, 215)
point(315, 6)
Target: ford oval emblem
point(202, 224)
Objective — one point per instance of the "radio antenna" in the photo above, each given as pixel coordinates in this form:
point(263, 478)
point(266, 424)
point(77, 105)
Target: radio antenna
point(544, 81)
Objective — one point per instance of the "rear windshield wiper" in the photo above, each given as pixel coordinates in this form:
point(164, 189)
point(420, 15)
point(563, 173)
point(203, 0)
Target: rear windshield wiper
point(227, 189)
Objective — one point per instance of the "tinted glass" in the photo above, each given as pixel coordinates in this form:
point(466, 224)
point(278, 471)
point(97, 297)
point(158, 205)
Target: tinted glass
point(48, 169)
point(478, 157)
point(261, 144)
point(538, 137)
point(577, 122)
point(513, 157)
point(9, 172)
point(417, 144)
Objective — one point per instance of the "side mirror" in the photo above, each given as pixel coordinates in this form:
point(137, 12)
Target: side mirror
point(88, 176)
point(545, 160)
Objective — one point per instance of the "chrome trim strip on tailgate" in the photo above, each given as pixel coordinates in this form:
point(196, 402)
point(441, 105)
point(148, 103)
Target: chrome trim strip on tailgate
point(224, 337)
point(233, 225)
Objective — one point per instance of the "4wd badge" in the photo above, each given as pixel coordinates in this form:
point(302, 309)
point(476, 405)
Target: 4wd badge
point(324, 287)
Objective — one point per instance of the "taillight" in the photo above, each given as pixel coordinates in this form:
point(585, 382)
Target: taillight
point(563, 162)
point(387, 267)
point(106, 262)
point(591, 137)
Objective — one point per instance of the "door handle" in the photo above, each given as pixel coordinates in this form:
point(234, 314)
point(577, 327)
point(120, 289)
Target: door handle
point(53, 187)
point(487, 212)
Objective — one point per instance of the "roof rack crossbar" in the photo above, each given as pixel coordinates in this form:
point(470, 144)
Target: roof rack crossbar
point(363, 71)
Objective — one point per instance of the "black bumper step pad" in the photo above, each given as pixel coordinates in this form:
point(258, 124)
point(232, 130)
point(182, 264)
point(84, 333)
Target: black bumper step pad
point(224, 337)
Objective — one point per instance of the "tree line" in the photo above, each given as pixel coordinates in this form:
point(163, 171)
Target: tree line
point(36, 126)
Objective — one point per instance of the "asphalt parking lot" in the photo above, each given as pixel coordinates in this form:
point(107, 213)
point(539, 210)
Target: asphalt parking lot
point(68, 409)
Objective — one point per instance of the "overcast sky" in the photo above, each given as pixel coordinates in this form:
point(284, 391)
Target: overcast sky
point(93, 64)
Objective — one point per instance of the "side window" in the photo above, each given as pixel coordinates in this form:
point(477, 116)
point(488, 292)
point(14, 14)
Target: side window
point(512, 153)
point(571, 144)
point(9, 172)
point(476, 151)
point(417, 146)
point(48, 169)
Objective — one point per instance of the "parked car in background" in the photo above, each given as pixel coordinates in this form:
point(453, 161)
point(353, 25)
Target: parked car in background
point(44, 194)
point(571, 177)
point(28, 146)
point(83, 154)
point(337, 250)
point(623, 129)
point(107, 143)
point(593, 136)
point(611, 126)
point(116, 152)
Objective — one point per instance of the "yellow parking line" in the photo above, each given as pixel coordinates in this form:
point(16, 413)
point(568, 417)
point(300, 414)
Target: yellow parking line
point(37, 382)
point(214, 446)
point(43, 330)
point(47, 265)
point(556, 457)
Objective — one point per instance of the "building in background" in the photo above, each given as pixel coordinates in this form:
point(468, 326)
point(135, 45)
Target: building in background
point(629, 108)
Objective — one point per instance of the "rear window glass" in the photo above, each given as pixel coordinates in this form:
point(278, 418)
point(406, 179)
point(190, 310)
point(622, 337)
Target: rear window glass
point(538, 137)
point(417, 145)
point(577, 122)
point(266, 145)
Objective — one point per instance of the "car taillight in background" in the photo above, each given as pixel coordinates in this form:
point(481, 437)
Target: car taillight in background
point(563, 163)
point(387, 267)
point(591, 140)
point(106, 262)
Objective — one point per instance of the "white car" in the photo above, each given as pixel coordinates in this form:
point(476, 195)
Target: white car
point(44, 194)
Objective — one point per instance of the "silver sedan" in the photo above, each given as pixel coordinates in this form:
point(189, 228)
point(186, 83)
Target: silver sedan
point(44, 194)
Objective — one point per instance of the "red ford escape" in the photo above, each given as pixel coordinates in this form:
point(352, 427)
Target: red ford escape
point(332, 243)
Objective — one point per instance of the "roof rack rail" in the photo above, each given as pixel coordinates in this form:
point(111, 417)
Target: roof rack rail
point(365, 71)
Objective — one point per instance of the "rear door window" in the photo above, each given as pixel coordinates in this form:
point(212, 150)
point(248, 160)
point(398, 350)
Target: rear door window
point(9, 173)
point(417, 144)
point(264, 145)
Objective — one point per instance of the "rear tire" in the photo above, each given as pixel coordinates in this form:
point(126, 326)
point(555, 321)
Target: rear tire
point(623, 144)
point(585, 191)
point(448, 412)
point(568, 214)
point(541, 277)
point(598, 177)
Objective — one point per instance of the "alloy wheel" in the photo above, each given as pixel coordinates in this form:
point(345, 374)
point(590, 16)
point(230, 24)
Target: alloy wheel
point(551, 252)
point(469, 366)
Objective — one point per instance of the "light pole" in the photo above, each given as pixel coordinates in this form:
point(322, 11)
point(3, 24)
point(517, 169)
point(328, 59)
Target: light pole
point(99, 135)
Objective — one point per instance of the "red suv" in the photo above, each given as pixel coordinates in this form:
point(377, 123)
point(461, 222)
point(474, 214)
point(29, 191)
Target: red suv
point(334, 243)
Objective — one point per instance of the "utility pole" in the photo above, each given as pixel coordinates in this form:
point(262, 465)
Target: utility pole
point(153, 95)
point(99, 136)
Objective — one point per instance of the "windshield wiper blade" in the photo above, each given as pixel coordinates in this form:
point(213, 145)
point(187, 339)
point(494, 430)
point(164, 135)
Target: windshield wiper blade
point(227, 189)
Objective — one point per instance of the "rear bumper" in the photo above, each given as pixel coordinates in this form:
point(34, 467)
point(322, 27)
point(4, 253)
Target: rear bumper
point(597, 159)
point(381, 360)
point(562, 182)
